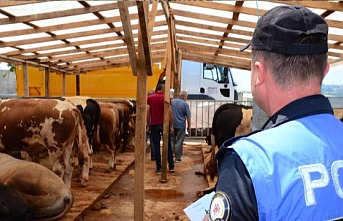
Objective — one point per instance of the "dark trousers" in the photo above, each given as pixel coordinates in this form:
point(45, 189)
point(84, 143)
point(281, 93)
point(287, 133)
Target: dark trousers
point(155, 137)
point(152, 152)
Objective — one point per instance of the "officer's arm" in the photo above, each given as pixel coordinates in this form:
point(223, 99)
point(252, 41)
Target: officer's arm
point(234, 180)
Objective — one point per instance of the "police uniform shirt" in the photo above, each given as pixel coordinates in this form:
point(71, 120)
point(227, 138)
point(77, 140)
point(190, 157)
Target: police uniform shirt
point(241, 173)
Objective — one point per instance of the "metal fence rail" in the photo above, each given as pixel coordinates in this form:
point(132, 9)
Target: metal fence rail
point(202, 112)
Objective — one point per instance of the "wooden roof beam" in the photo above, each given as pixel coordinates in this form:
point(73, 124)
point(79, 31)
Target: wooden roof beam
point(97, 54)
point(228, 62)
point(84, 49)
point(152, 17)
point(75, 43)
point(124, 15)
point(51, 28)
point(14, 60)
point(99, 16)
point(235, 17)
point(208, 49)
point(57, 14)
point(218, 19)
point(206, 36)
point(92, 64)
point(59, 37)
point(144, 34)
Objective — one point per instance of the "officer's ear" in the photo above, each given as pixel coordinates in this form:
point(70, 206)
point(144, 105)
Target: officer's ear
point(326, 69)
point(258, 73)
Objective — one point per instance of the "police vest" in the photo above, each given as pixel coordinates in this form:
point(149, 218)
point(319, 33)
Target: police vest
point(297, 169)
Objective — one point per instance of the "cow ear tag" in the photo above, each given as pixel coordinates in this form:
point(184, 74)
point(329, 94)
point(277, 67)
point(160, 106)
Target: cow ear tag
point(220, 207)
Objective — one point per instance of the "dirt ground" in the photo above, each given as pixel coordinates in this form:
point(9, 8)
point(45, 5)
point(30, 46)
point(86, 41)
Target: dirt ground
point(163, 201)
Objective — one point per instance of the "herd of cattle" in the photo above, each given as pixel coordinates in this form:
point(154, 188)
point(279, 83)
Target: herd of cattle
point(69, 128)
point(64, 127)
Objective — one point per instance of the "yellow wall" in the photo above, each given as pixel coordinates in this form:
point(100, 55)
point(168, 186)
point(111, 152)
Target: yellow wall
point(111, 83)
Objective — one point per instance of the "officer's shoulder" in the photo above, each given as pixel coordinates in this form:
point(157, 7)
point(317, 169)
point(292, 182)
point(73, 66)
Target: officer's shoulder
point(224, 151)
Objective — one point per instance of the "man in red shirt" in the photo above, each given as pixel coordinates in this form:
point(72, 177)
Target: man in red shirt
point(155, 110)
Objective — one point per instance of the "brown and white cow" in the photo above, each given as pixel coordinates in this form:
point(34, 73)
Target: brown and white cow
point(128, 124)
point(43, 190)
point(108, 131)
point(229, 120)
point(31, 125)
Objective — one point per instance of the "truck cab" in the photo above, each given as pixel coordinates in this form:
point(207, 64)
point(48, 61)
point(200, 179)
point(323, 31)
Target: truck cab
point(204, 81)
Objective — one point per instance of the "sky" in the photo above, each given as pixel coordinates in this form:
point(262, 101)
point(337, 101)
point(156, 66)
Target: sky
point(242, 77)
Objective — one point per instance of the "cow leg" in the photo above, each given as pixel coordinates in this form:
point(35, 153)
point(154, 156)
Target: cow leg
point(85, 156)
point(84, 153)
point(85, 170)
point(112, 157)
point(68, 169)
point(56, 155)
point(90, 162)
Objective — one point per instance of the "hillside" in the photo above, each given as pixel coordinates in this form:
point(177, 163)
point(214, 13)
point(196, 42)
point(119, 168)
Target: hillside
point(332, 90)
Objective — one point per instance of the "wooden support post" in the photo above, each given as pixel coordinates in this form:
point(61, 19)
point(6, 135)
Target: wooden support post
point(47, 82)
point(166, 113)
point(141, 107)
point(140, 140)
point(178, 73)
point(77, 84)
point(63, 84)
point(26, 80)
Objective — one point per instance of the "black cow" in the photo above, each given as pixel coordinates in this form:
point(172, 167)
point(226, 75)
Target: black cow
point(90, 111)
point(226, 120)
point(13, 206)
point(229, 120)
point(91, 116)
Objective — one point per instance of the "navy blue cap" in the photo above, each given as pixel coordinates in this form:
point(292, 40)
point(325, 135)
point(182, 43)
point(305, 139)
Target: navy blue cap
point(279, 28)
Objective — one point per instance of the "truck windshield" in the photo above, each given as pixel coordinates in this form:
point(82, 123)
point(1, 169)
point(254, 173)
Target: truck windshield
point(216, 73)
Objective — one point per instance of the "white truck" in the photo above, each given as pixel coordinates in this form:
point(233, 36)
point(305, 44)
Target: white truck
point(207, 82)
point(209, 86)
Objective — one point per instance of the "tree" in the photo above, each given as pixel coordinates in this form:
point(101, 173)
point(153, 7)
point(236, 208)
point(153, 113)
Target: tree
point(11, 66)
point(12, 69)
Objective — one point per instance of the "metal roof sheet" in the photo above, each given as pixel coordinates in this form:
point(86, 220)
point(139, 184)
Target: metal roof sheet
point(81, 36)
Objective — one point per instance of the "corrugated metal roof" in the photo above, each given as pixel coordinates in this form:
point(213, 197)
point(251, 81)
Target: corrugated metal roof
point(81, 36)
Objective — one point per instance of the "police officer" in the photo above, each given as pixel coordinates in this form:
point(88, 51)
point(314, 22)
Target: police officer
point(292, 169)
